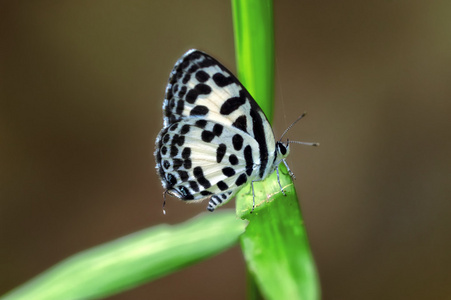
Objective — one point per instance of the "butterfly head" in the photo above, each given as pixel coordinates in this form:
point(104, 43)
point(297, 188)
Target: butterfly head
point(282, 151)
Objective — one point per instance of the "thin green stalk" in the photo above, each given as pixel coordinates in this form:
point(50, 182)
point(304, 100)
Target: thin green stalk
point(254, 47)
point(275, 244)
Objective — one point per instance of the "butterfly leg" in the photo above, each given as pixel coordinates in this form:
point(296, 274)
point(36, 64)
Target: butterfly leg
point(253, 195)
point(288, 168)
point(278, 180)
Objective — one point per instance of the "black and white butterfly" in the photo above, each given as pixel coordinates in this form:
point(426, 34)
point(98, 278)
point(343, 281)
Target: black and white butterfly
point(215, 137)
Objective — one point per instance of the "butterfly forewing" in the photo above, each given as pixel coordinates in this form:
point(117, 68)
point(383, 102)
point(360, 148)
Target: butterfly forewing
point(215, 136)
point(199, 86)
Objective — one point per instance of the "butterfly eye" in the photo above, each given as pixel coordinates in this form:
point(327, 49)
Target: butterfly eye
point(282, 148)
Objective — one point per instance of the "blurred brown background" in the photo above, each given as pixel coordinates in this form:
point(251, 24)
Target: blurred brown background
point(81, 87)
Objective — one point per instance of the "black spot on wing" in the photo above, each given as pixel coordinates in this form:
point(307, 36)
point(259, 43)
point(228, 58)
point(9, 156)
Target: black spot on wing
point(166, 164)
point(172, 119)
point(184, 64)
point(237, 141)
point(207, 62)
point(199, 110)
point(228, 171)
point(186, 78)
point(158, 157)
point(186, 153)
point(193, 69)
point(171, 103)
point(199, 175)
point(233, 160)
point(178, 140)
point(187, 164)
point(194, 186)
point(259, 135)
point(182, 91)
point(180, 106)
point(185, 129)
point(195, 55)
point(248, 159)
point(164, 150)
point(222, 80)
point(232, 104)
point(203, 89)
point(201, 124)
point(207, 136)
point(191, 96)
point(241, 123)
point(220, 152)
point(169, 93)
point(183, 175)
point(202, 76)
point(206, 193)
point(177, 163)
point(217, 129)
point(171, 179)
point(174, 151)
point(222, 185)
point(241, 179)
point(166, 139)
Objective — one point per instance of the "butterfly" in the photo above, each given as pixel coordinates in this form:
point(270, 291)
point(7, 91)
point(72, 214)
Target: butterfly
point(215, 138)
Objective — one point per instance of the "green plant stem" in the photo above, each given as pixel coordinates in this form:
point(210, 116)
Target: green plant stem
point(275, 244)
point(254, 47)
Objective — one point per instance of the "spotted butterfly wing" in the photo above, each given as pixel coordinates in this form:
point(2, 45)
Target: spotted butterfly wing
point(215, 137)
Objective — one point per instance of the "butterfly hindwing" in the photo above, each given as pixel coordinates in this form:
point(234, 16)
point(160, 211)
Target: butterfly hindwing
point(201, 158)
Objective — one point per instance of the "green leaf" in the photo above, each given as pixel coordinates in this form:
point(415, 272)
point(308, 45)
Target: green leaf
point(275, 243)
point(134, 259)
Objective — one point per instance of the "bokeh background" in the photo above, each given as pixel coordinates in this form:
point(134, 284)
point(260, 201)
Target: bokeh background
point(81, 87)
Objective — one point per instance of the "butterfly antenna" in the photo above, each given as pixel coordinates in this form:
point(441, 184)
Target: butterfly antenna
point(303, 143)
point(292, 124)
